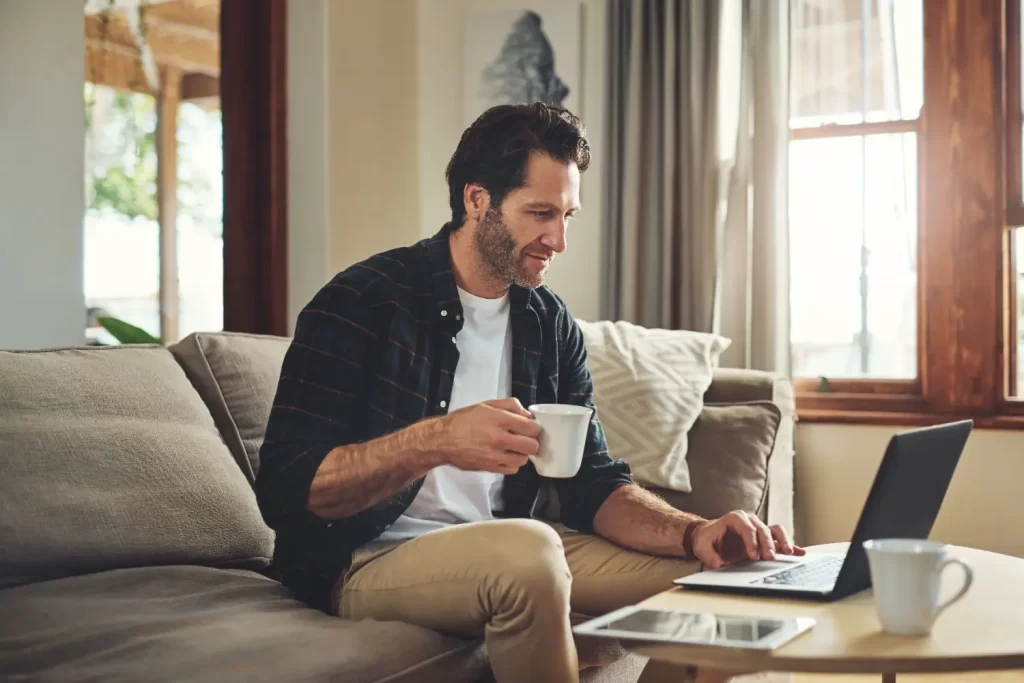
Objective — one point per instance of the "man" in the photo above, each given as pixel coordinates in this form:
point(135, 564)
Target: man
point(395, 466)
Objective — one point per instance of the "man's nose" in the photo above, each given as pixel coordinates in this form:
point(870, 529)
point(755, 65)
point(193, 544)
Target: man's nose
point(554, 239)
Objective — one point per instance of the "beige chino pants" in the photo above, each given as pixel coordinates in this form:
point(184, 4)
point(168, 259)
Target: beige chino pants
point(514, 582)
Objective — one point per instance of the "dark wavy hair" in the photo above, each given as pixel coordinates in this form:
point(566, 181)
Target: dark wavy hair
point(494, 151)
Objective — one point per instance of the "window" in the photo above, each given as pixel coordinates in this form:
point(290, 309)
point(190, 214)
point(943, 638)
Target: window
point(154, 185)
point(905, 305)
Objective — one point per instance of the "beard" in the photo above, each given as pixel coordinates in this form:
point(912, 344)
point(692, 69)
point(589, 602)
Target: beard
point(501, 259)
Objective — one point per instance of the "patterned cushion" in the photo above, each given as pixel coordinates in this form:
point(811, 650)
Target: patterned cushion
point(649, 389)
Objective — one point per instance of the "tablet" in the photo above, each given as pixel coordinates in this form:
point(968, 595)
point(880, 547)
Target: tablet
point(696, 628)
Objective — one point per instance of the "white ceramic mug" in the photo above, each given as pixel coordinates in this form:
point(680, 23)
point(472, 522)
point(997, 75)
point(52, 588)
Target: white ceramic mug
point(563, 435)
point(906, 575)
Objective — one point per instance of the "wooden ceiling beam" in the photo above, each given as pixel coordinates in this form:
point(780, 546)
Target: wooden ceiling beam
point(180, 15)
point(185, 52)
point(199, 87)
point(116, 69)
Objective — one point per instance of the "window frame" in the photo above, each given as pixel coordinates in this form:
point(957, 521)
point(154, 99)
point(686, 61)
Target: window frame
point(969, 198)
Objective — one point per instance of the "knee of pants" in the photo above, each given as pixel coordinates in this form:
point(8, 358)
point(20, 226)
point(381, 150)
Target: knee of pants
point(525, 557)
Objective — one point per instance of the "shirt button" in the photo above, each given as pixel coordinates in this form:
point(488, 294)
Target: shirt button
point(453, 340)
point(458, 317)
point(444, 313)
point(443, 404)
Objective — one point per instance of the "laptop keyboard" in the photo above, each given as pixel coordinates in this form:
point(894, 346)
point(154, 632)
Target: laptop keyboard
point(816, 572)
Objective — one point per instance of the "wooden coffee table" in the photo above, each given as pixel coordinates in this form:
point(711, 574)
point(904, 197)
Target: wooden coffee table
point(983, 631)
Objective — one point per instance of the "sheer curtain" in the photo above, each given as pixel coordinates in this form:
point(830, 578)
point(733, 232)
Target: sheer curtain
point(695, 201)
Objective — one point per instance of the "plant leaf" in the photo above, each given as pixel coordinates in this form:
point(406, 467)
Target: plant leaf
point(126, 333)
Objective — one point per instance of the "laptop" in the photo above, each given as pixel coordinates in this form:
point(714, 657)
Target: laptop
point(903, 502)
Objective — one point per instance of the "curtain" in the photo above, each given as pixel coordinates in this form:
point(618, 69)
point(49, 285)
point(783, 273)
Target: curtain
point(695, 214)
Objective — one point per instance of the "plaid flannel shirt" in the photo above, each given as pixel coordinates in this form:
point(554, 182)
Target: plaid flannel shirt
point(374, 352)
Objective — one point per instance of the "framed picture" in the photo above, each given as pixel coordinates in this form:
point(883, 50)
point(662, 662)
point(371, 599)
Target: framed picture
point(526, 55)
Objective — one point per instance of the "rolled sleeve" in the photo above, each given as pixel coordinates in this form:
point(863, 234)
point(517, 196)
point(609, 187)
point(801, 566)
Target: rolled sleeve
point(581, 496)
point(316, 408)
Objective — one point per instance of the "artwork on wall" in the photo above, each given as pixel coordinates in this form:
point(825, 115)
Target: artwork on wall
point(527, 55)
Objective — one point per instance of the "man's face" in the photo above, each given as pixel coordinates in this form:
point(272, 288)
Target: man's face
point(517, 241)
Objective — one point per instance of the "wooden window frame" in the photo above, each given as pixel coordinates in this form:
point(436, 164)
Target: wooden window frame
point(969, 189)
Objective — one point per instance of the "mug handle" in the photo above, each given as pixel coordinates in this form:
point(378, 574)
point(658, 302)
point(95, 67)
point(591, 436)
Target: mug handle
point(968, 580)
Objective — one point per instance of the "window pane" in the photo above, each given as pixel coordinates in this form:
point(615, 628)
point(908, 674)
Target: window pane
point(853, 248)
point(122, 271)
point(855, 61)
point(200, 220)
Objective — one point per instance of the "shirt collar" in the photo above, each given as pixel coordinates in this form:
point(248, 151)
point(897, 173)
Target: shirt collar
point(446, 293)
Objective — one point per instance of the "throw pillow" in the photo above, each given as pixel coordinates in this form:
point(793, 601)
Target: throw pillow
point(649, 387)
point(730, 449)
point(237, 376)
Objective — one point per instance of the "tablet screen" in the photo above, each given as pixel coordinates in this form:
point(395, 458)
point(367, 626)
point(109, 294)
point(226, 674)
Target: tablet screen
point(695, 626)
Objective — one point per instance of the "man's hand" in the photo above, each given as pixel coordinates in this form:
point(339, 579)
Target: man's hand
point(493, 436)
point(740, 536)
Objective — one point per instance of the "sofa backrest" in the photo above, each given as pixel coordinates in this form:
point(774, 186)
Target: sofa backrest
point(111, 459)
point(237, 376)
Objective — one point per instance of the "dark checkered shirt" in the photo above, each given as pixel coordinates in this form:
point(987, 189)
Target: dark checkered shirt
point(374, 352)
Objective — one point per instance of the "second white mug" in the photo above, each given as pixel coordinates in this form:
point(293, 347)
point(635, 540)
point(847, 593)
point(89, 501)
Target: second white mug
point(563, 437)
point(906, 575)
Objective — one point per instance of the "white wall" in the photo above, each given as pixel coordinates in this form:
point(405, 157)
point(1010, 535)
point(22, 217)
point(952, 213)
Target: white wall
point(308, 140)
point(575, 275)
point(835, 465)
point(42, 162)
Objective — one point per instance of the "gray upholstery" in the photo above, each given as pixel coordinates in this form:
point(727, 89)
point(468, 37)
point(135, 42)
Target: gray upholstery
point(125, 515)
point(199, 624)
point(730, 448)
point(111, 460)
point(236, 374)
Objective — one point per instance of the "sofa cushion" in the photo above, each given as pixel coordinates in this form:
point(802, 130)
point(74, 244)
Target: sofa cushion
point(111, 459)
point(649, 388)
point(202, 624)
point(730, 446)
point(237, 375)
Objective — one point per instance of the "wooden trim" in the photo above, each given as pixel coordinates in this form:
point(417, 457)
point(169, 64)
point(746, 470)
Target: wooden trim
point(253, 105)
point(962, 208)
point(812, 416)
point(1015, 217)
point(199, 87)
point(167, 102)
point(1013, 113)
point(852, 129)
point(855, 402)
point(814, 386)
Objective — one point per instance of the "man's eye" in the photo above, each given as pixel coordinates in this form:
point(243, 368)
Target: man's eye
point(542, 214)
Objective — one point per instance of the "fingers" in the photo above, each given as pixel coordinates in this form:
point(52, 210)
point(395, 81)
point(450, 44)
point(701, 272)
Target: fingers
point(782, 539)
point(519, 444)
point(510, 463)
point(741, 525)
point(518, 424)
point(766, 544)
point(511, 405)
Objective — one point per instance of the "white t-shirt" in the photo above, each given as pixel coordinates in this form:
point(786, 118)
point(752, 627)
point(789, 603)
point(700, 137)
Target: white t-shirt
point(450, 495)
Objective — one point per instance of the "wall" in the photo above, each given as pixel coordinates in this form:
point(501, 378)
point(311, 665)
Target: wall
point(835, 465)
point(575, 275)
point(42, 195)
point(373, 128)
point(308, 169)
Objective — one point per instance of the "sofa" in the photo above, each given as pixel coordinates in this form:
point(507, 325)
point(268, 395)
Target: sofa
point(132, 547)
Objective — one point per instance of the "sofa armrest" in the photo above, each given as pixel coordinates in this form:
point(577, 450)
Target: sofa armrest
point(732, 385)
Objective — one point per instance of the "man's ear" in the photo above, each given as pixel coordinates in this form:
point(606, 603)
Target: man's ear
point(476, 200)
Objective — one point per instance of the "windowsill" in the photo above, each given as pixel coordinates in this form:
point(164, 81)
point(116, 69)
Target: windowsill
point(906, 419)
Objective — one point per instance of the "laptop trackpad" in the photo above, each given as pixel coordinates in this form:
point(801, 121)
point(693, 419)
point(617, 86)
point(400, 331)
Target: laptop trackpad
point(762, 566)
